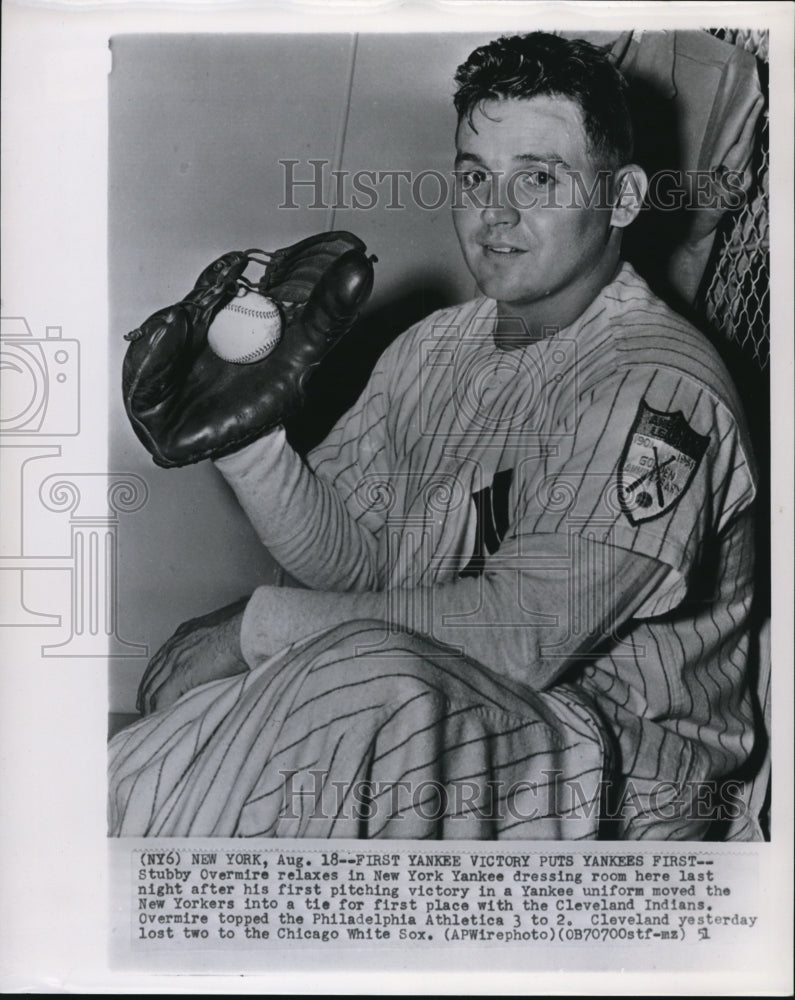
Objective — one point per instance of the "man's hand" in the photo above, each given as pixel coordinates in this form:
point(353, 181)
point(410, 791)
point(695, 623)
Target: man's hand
point(201, 650)
point(186, 404)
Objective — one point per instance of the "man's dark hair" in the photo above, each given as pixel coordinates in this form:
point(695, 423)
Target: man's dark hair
point(524, 66)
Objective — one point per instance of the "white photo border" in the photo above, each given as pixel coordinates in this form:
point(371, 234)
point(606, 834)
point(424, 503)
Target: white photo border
point(54, 877)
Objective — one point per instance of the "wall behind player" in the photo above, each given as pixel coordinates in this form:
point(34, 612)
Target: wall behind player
point(198, 126)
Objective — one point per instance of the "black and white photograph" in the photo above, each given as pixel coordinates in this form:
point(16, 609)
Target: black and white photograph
point(459, 395)
point(421, 479)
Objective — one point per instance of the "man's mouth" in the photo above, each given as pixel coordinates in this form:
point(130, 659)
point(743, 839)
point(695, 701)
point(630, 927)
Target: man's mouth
point(501, 248)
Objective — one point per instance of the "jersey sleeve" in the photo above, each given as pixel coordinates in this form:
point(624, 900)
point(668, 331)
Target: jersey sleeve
point(313, 516)
point(353, 454)
point(648, 461)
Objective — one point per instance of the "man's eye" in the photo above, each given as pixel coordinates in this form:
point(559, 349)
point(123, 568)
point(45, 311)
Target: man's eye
point(469, 179)
point(536, 178)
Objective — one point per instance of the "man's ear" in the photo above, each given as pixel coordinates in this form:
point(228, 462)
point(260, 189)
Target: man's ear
point(630, 186)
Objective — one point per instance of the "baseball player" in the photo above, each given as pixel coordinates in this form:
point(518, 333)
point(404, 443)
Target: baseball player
point(529, 543)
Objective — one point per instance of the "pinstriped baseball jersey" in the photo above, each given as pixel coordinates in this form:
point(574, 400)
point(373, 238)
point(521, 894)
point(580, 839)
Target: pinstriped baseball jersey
point(623, 428)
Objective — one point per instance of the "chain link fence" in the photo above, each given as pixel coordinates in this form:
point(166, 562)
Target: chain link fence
point(736, 302)
point(736, 305)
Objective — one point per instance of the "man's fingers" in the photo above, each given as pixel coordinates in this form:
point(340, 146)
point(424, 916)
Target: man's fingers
point(167, 686)
point(188, 660)
point(151, 679)
point(166, 694)
point(188, 636)
point(143, 688)
point(174, 674)
point(162, 665)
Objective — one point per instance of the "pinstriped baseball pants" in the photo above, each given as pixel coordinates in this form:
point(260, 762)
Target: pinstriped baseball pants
point(361, 733)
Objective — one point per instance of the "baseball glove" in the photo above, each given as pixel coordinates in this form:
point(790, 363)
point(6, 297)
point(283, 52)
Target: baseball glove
point(185, 404)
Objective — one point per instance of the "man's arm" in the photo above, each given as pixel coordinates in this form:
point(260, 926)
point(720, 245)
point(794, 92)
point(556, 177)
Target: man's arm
point(526, 620)
point(314, 525)
point(530, 624)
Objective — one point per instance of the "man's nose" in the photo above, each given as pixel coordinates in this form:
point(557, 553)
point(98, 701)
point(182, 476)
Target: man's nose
point(500, 210)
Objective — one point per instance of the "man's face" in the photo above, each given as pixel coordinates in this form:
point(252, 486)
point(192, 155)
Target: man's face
point(538, 244)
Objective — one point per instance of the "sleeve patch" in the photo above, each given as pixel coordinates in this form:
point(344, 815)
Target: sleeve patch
point(661, 455)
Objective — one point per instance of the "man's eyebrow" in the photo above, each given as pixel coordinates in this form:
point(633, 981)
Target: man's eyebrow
point(550, 159)
point(547, 159)
point(464, 157)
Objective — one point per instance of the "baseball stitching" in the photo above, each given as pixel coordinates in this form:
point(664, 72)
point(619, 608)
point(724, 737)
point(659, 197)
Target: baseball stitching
point(259, 313)
point(255, 354)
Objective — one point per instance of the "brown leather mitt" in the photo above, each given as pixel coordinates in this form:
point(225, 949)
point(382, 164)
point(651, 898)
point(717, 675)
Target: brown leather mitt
point(186, 404)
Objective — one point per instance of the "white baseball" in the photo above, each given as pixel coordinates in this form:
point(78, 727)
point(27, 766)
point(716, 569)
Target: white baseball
point(246, 330)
